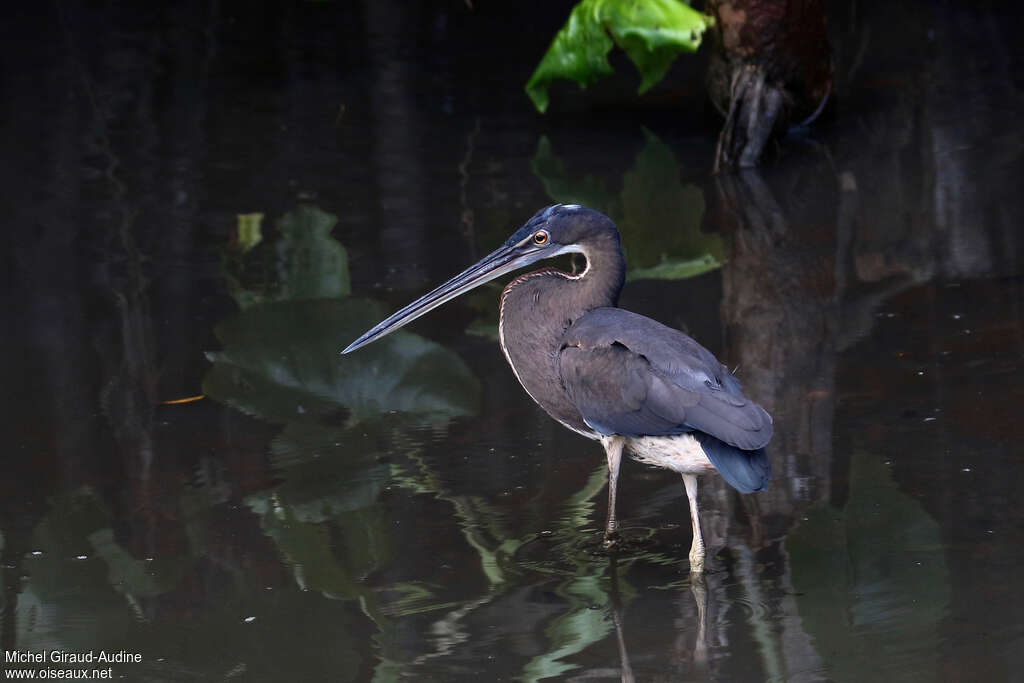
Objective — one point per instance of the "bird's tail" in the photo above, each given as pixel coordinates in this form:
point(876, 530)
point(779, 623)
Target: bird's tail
point(745, 471)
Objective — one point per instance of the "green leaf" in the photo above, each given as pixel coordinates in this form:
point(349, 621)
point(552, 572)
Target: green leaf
point(579, 52)
point(652, 64)
point(651, 32)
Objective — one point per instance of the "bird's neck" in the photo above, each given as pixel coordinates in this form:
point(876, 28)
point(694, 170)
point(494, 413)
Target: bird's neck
point(571, 295)
point(536, 310)
point(602, 280)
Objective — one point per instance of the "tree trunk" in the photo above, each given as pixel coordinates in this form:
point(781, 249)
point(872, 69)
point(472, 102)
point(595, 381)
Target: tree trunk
point(771, 68)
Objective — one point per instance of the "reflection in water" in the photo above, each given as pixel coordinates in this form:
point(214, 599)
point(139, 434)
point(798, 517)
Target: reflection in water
point(310, 534)
point(657, 215)
point(780, 308)
point(279, 363)
point(304, 262)
point(338, 454)
point(793, 302)
point(871, 579)
point(335, 456)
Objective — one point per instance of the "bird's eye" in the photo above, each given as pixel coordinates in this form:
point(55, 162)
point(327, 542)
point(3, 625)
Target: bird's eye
point(540, 237)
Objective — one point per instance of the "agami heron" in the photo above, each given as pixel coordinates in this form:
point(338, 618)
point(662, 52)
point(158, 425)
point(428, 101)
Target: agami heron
point(617, 377)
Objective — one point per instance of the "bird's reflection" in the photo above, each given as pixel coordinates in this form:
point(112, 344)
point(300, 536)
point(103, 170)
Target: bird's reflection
point(697, 625)
point(618, 620)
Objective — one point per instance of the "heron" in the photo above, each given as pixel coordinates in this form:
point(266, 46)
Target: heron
point(617, 377)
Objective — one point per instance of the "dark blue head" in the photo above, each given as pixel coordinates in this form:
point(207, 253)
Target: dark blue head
point(562, 226)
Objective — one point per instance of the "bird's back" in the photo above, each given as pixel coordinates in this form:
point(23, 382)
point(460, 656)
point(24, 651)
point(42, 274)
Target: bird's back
point(630, 375)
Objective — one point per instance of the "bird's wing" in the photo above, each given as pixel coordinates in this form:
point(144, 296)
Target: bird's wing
point(633, 376)
point(745, 471)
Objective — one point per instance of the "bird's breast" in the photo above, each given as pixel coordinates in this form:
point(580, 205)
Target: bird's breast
point(531, 325)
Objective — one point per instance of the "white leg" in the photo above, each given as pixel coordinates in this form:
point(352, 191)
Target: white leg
point(697, 548)
point(613, 450)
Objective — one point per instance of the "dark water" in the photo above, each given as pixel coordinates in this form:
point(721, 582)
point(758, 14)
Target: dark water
point(406, 511)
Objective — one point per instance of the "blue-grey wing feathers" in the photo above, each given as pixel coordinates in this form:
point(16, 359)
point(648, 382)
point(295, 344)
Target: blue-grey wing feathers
point(745, 471)
point(632, 376)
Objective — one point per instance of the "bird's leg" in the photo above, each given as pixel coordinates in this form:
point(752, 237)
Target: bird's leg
point(697, 547)
point(613, 450)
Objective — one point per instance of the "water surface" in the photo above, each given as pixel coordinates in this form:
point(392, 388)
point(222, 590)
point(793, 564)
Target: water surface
point(209, 201)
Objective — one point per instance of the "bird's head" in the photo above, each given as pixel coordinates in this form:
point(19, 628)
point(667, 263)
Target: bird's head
point(563, 228)
point(552, 231)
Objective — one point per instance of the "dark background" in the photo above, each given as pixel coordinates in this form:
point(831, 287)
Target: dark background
point(290, 526)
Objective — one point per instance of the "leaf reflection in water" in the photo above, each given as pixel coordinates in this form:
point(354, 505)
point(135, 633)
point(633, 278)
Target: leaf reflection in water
point(304, 262)
point(280, 362)
point(871, 579)
point(344, 417)
point(658, 216)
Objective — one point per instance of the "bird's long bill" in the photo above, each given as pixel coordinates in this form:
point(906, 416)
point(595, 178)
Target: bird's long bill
point(504, 260)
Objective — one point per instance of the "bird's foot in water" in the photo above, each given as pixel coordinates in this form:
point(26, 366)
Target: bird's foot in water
point(697, 560)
